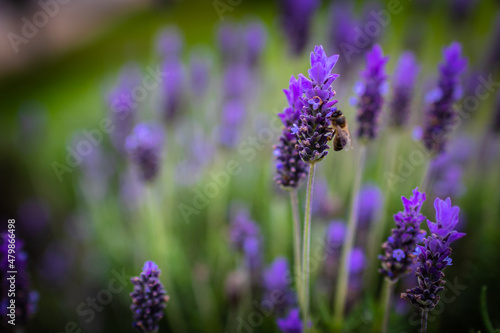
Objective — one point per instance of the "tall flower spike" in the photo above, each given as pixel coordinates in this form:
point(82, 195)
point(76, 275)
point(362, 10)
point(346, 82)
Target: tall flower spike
point(434, 256)
point(145, 146)
point(403, 83)
point(370, 93)
point(296, 19)
point(440, 116)
point(149, 299)
point(290, 168)
point(398, 249)
point(318, 104)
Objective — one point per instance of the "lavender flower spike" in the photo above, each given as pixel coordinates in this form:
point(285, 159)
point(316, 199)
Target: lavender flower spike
point(398, 249)
point(434, 256)
point(370, 93)
point(277, 292)
point(144, 146)
point(290, 168)
point(149, 298)
point(405, 75)
point(296, 19)
point(314, 133)
point(441, 115)
point(292, 323)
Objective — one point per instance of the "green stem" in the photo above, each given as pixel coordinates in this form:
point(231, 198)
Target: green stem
point(342, 282)
point(306, 246)
point(389, 287)
point(294, 200)
point(423, 323)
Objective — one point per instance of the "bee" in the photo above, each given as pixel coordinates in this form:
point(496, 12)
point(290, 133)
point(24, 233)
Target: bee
point(340, 131)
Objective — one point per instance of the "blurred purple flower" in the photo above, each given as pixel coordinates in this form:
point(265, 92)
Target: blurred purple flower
point(169, 43)
point(495, 125)
point(235, 81)
point(173, 88)
point(342, 33)
point(440, 116)
point(398, 249)
point(435, 256)
point(358, 261)
point(228, 39)
point(462, 8)
point(199, 75)
point(296, 17)
point(255, 40)
point(145, 146)
point(370, 98)
point(290, 324)
point(403, 83)
point(278, 295)
point(122, 106)
point(149, 299)
point(370, 199)
point(233, 117)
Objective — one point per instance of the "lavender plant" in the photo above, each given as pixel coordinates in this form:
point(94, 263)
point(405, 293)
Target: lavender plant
point(433, 257)
point(296, 17)
point(149, 299)
point(278, 296)
point(144, 146)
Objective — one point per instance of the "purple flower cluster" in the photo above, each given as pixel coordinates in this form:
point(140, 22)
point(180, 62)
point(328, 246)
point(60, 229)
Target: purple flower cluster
point(434, 256)
point(245, 237)
point(199, 74)
point(173, 87)
point(292, 323)
point(296, 20)
point(290, 167)
point(278, 295)
point(25, 300)
point(342, 32)
point(440, 116)
point(371, 93)
point(318, 102)
point(149, 299)
point(145, 146)
point(403, 81)
point(398, 249)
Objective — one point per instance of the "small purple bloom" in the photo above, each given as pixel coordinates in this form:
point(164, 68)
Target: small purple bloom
point(173, 88)
point(292, 323)
point(149, 299)
point(400, 246)
point(370, 199)
point(357, 261)
point(145, 146)
point(318, 104)
point(296, 16)
point(277, 289)
point(371, 100)
point(290, 167)
point(169, 43)
point(255, 41)
point(434, 256)
point(403, 83)
point(440, 116)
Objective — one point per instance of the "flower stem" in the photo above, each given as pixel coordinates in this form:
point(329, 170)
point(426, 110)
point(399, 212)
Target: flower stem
point(342, 282)
point(306, 246)
point(423, 322)
point(294, 200)
point(389, 287)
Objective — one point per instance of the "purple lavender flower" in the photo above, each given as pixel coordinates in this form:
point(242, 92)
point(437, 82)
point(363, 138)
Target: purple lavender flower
point(398, 249)
point(145, 146)
point(149, 299)
point(296, 16)
point(255, 41)
point(122, 105)
point(199, 75)
point(25, 300)
point(228, 39)
point(292, 323)
point(342, 33)
point(245, 237)
point(233, 116)
point(314, 133)
point(290, 167)
point(357, 264)
point(278, 295)
point(403, 84)
point(370, 199)
point(441, 115)
point(169, 43)
point(370, 93)
point(435, 256)
point(173, 88)
point(235, 81)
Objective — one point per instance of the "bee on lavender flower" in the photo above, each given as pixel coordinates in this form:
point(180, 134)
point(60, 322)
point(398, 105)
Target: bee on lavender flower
point(340, 131)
